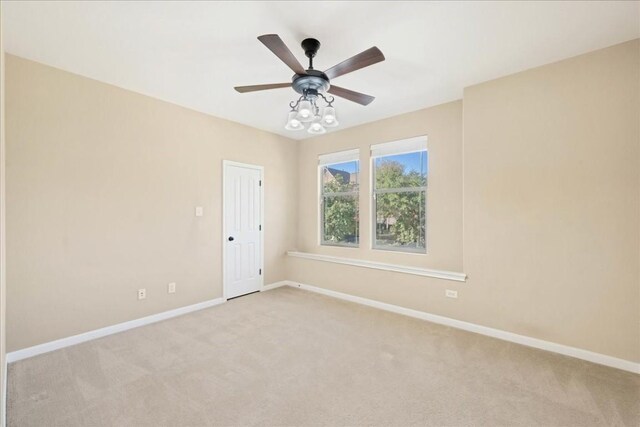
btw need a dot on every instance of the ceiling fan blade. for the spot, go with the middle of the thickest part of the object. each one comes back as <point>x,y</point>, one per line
<point>253,88</point>
<point>275,44</point>
<point>356,97</point>
<point>363,59</point>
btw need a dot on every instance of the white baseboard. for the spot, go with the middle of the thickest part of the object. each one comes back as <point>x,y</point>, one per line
<point>275,285</point>
<point>578,353</point>
<point>625,365</point>
<point>120,327</point>
<point>109,330</point>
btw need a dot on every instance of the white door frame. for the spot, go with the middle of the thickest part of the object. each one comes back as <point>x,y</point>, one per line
<point>225,165</point>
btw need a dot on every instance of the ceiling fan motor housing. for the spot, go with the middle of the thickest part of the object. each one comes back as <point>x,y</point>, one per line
<point>313,80</point>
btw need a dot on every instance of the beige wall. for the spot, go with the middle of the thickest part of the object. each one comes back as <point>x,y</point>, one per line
<point>101,189</point>
<point>551,214</point>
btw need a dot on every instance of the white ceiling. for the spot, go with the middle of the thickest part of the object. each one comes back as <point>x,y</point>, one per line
<point>193,53</point>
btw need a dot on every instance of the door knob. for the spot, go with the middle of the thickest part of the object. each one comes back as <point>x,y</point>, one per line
<point>231,238</point>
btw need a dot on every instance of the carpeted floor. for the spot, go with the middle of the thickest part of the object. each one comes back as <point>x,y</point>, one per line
<point>290,357</point>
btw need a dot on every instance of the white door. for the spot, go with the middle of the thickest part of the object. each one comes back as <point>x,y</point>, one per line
<point>242,212</point>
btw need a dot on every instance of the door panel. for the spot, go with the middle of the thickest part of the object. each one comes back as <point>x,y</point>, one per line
<point>242,213</point>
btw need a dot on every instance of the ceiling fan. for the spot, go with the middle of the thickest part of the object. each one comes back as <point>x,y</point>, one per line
<point>311,84</point>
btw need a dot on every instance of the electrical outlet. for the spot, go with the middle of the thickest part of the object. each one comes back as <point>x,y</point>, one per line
<point>199,211</point>
<point>171,288</point>
<point>142,293</point>
<point>451,294</point>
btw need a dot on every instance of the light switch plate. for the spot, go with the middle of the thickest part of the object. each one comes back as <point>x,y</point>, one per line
<point>199,211</point>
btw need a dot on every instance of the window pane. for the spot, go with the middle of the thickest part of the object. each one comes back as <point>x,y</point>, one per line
<point>400,221</point>
<point>401,170</point>
<point>340,177</point>
<point>340,219</point>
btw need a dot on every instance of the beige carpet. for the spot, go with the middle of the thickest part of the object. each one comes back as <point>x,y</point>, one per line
<point>290,357</point>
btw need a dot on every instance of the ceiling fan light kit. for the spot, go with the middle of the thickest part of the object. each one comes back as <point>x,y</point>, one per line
<point>293,123</point>
<point>312,85</point>
<point>329,119</point>
<point>316,128</point>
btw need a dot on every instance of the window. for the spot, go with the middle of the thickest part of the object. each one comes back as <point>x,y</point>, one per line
<point>339,205</point>
<point>399,195</point>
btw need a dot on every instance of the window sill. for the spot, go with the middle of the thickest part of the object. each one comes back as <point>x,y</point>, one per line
<point>337,245</point>
<point>401,250</point>
<point>417,271</point>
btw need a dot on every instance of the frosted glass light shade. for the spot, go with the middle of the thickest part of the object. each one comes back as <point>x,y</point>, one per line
<point>305,111</point>
<point>292,122</point>
<point>329,118</point>
<point>316,128</point>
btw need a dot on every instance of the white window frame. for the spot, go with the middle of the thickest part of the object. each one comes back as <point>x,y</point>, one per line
<point>405,146</point>
<point>330,159</point>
